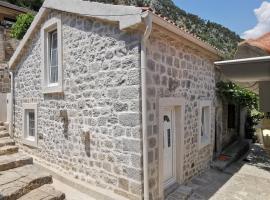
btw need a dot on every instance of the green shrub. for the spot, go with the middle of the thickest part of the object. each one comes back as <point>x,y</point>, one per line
<point>21,26</point>
<point>231,92</point>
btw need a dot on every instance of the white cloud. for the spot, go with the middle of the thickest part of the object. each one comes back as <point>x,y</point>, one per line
<point>263,26</point>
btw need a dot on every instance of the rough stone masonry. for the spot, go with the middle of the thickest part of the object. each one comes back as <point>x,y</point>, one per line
<point>92,131</point>
<point>99,140</point>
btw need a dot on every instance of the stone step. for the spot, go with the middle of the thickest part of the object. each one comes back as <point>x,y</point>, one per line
<point>2,128</point>
<point>17,182</point>
<point>45,192</point>
<point>181,193</point>
<point>14,160</point>
<point>4,134</point>
<point>6,141</point>
<point>231,154</point>
<point>7,150</point>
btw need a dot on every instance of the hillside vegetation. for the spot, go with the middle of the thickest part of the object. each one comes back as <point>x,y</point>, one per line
<point>215,34</point>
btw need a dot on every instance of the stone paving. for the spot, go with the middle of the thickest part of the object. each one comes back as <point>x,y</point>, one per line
<point>246,179</point>
<point>19,177</point>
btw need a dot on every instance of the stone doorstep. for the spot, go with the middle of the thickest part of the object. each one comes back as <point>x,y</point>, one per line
<point>234,152</point>
<point>182,192</point>
<point>6,150</point>
<point>2,128</point>
<point>14,160</point>
<point>17,182</point>
<point>45,192</point>
<point>6,141</point>
<point>4,134</point>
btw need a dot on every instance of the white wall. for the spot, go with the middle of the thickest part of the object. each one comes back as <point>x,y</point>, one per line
<point>264,96</point>
<point>3,107</point>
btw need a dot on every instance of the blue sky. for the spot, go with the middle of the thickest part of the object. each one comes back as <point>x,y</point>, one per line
<point>238,15</point>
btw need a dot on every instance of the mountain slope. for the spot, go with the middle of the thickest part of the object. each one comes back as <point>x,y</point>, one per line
<point>215,34</point>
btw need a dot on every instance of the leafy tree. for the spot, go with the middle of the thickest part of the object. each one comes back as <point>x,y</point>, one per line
<point>22,24</point>
<point>31,4</point>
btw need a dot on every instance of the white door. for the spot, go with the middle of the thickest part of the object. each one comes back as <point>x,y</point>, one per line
<point>168,147</point>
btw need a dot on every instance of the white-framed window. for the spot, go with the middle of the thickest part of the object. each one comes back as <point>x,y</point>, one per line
<point>30,124</point>
<point>204,123</point>
<point>51,35</point>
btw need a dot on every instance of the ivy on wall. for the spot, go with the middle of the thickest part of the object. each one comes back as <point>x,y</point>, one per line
<point>245,98</point>
<point>234,93</point>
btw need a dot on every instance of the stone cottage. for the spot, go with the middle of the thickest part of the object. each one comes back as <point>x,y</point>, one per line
<point>117,97</point>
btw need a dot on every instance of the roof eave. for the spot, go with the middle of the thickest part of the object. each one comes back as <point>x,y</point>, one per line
<point>176,30</point>
<point>126,16</point>
<point>244,60</point>
<point>27,35</point>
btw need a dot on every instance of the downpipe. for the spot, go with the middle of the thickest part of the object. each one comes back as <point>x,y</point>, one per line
<point>11,106</point>
<point>147,19</point>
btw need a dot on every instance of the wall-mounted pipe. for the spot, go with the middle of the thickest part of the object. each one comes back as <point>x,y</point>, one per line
<point>147,18</point>
<point>11,106</point>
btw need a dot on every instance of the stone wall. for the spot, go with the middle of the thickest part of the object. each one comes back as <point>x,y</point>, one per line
<point>4,79</point>
<point>7,44</point>
<point>93,130</point>
<point>176,69</point>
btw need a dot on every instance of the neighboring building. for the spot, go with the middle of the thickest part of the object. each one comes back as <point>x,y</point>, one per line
<point>8,14</point>
<point>254,47</point>
<point>229,114</point>
<point>94,99</point>
<point>251,69</point>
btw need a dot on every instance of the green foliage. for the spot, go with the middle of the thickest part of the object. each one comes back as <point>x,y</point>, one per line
<point>31,4</point>
<point>231,92</point>
<point>22,24</point>
<point>215,34</point>
<point>234,93</point>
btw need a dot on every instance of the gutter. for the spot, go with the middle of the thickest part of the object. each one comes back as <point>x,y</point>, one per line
<point>11,104</point>
<point>243,60</point>
<point>147,18</point>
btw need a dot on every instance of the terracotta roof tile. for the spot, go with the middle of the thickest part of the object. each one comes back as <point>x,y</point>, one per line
<point>262,42</point>
<point>180,27</point>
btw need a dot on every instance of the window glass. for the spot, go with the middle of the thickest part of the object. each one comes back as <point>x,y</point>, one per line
<point>53,58</point>
<point>31,123</point>
<point>205,129</point>
<point>231,116</point>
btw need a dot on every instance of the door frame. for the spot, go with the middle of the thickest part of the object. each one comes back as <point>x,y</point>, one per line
<point>178,104</point>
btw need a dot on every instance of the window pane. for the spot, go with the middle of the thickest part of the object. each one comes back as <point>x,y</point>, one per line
<point>231,116</point>
<point>54,40</point>
<point>31,123</point>
<point>54,75</point>
<point>53,71</point>
<point>203,124</point>
<point>54,57</point>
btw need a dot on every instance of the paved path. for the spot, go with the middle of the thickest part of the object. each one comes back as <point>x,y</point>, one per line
<point>71,193</point>
<point>243,180</point>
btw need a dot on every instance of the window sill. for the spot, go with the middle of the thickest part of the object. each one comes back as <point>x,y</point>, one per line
<point>30,142</point>
<point>52,89</point>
